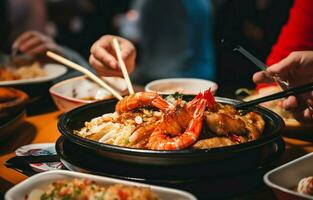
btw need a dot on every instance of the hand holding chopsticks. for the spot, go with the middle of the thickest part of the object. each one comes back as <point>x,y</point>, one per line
<point>279,95</point>
<point>262,66</point>
<point>84,71</point>
<point>103,57</point>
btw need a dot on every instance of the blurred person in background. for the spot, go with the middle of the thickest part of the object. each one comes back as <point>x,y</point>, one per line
<point>174,39</point>
<point>297,69</point>
<point>286,60</point>
<point>79,23</point>
<point>28,30</point>
<point>72,23</point>
<point>253,24</point>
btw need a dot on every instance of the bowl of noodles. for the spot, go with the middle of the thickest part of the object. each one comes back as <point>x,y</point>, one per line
<point>100,127</point>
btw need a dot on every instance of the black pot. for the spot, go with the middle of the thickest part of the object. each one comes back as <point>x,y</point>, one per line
<point>246,154</point>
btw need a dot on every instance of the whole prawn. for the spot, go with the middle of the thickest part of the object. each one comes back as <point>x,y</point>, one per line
<point>141,99</point>
<point>161,140</point>
<point>177,119</point>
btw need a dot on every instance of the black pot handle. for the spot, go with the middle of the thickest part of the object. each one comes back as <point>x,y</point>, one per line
<point>275,150</point>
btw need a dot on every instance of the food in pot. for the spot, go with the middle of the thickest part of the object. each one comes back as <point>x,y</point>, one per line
<point>305,186</point>
<point>148,121</point>
<point>81,189</point>
<point>22,72</point>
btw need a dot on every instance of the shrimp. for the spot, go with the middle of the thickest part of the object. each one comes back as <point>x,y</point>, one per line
<point>159,140</point>
<point>141,99</point>
<point>142,132</point>
<point>176,120</point>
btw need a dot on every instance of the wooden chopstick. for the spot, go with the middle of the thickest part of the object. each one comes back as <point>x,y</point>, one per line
<point>285,93</point>
<point>122,66</point>
<point>84,71</point>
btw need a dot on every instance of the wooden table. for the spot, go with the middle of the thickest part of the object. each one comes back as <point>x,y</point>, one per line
<point>42,129</point>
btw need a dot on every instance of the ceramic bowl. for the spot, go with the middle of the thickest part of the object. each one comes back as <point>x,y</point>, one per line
<point>190,86</point>
<point>79,91</point>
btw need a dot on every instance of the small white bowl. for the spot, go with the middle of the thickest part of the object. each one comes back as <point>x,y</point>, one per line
<point>182,85</point>
<point>79,91</point>
<point>287,176</point>
<point>42,180</point>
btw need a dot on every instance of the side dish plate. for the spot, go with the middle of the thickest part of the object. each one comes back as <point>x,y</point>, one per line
<point>52,70</point>
<point>21,190</point>
<point>282,179</point>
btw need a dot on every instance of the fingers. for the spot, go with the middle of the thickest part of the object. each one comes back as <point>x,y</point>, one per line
<point>103,54</point>
<point>100,52</point>
<point>127,48</point>
<point>38,50</point>
<point>22,38</point>
<point>102,69</point>
<point>26,46</point>
<point>308,114</point>
<point>261,77</point>
<point>286,64</point>
<point>281,69</point>
<point>301,112</point>
<point>290,103</point>
<point>35,44</point>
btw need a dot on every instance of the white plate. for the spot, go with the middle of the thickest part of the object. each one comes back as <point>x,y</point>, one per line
<point>40,150</point>
<point>182,85</point>
<point>287,176</point>
<point>52,70</point>
<point>41,180</point>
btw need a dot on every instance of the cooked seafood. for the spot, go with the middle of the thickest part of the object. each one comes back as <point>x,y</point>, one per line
<point>146,120</point>
<point>141,99</point>
<point>76,189</point>
<point>125,129</point>
<point>160,140</point>
<point>227,120</point>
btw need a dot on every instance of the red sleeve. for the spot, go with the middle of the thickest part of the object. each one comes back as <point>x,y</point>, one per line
<point>297,34</point>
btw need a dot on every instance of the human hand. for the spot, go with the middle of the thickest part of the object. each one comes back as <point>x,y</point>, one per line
<point>103,57</point>
<point>297,69</point>
<point>36,44</point>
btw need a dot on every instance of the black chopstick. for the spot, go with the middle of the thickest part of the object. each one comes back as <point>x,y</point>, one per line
<point>285,93</point>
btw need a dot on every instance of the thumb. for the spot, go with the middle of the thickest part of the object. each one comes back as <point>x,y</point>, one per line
<point>285,64</point>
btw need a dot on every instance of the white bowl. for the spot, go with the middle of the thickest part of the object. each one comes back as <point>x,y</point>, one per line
<point>52,70</point>
<point>42,180</point>
<point>181,85</point>
<point>287,176</point>
<point>79,91</point>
